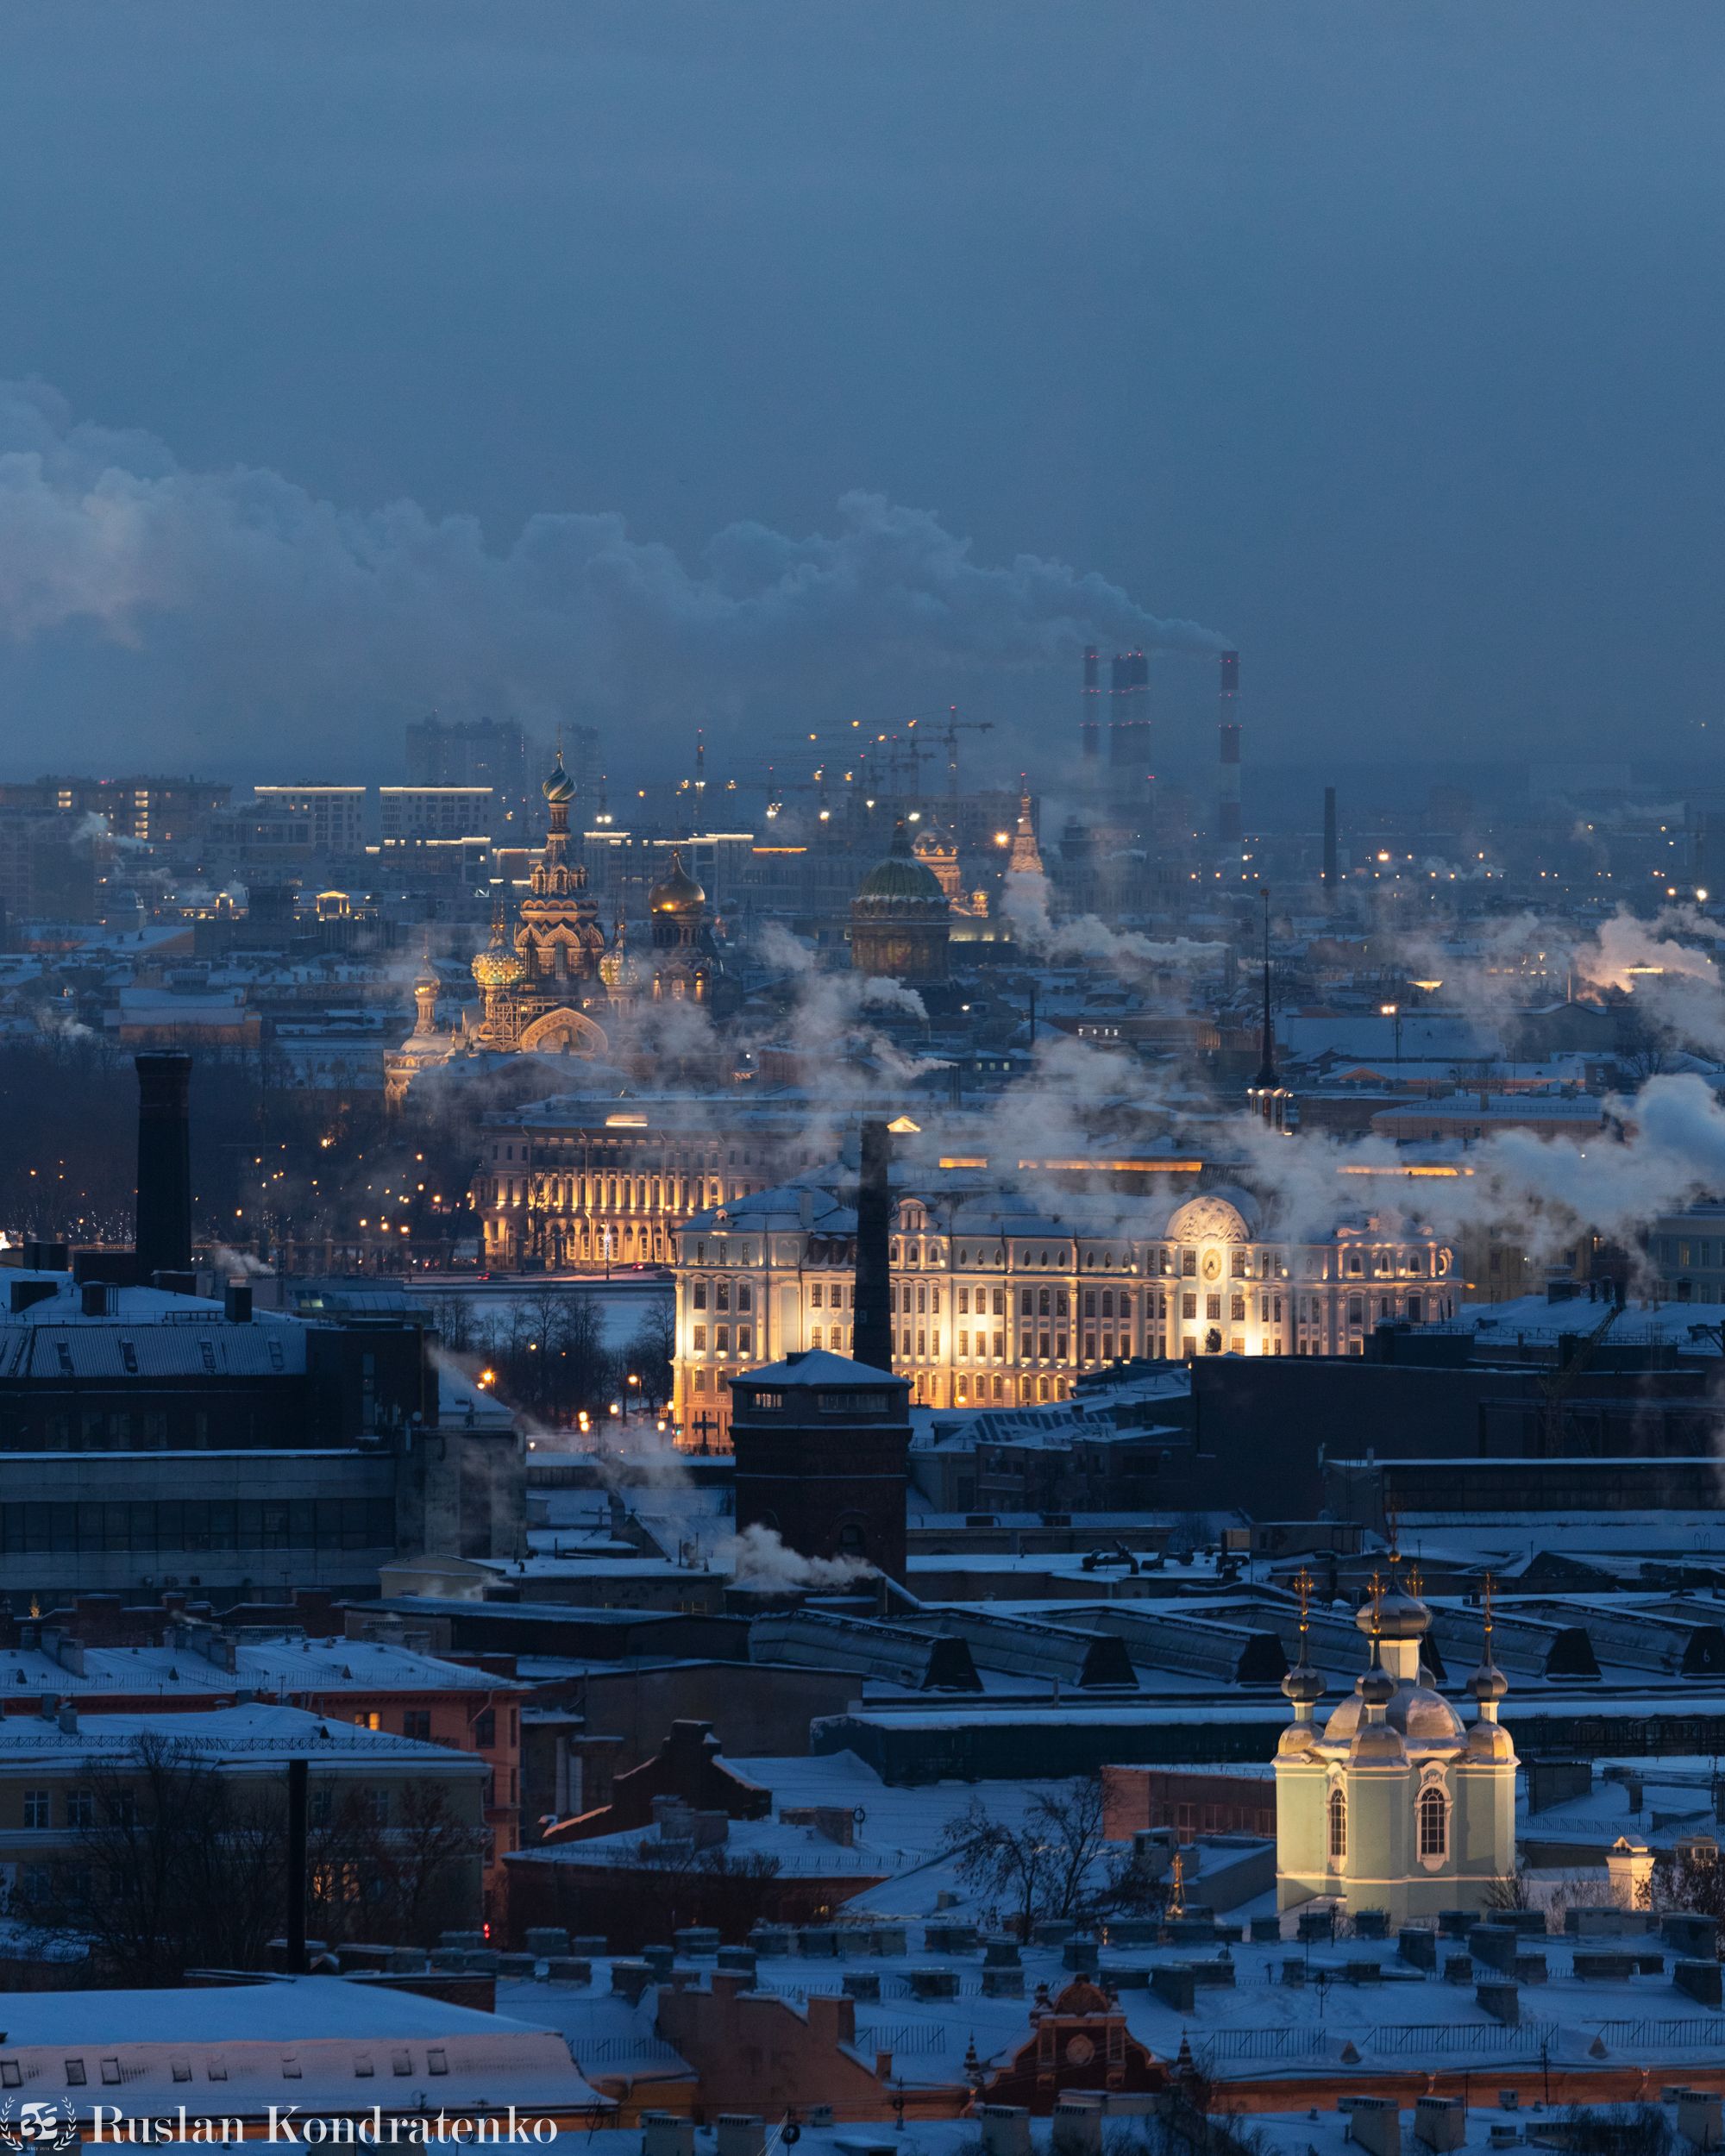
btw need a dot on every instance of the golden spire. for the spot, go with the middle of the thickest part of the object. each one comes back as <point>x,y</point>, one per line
<point>1303,1584</point>
<point>1487,1656</point>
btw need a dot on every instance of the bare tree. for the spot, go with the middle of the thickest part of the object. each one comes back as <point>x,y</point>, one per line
<point>1616,2130</point>
<point>1056,1864</point>
<point>1691,1879</point>
<point>398,1866</point>
<point>678,1884</point>
<point>178,1867</point>
<point>648,1356</point>
<point>182,1866</point>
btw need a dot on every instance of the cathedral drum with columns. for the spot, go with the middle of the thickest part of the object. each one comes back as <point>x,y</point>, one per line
<point>1394,1804</point>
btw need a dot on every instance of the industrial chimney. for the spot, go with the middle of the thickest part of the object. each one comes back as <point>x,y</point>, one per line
<point>1129,713</point>
<point>1330,850</point>
<point>1090,711</point>
<point>872,1334</point>
<point>164,1235</point>
<point>1228,775</point>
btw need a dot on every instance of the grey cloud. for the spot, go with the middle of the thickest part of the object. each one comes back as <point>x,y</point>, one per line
<point>239,592</point>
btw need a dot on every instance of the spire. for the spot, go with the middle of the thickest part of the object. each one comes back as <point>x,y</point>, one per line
<point>1302,1687</point>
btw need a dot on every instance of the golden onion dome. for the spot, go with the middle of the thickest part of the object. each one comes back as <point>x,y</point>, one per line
<point>498,967</point>
<point>678,892</point>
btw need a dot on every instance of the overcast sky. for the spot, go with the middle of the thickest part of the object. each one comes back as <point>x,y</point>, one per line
<point>1382,340</point>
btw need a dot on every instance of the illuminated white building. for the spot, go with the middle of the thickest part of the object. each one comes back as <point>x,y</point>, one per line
<point>998,1302</point>
<point>1394,1805</point>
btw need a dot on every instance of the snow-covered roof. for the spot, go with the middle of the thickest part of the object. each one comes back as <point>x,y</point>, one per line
<point>819,1367</point>
<point>236,1738</point>
<point>320,2044</point>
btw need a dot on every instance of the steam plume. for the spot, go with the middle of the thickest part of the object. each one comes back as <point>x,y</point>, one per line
<point>237,596</point>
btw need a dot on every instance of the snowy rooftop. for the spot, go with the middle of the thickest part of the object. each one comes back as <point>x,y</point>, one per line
<point>249,1736</point>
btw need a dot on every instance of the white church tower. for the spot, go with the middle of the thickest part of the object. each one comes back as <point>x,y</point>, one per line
<point>1394,1805</point>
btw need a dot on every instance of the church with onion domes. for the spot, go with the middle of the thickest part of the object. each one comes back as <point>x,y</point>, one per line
<point>550,980</point>
<point>1394,1804</point>
<point>547,984</point>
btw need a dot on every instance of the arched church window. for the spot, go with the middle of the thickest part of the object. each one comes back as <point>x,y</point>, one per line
<point>1338,1823</point>
<point>1435,1822</point>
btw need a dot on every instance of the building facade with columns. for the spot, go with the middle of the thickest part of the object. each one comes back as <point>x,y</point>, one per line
<point>582,1182</point>
<point>998,1300</point>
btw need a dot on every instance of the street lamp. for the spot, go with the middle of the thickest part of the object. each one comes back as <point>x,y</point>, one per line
<point>1393,1011</point>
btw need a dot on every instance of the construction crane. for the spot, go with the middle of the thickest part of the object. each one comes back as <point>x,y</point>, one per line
<point>1560,1380</point>
<point>950,734</point>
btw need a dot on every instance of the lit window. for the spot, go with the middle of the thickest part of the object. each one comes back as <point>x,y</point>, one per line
<point>1434,1823</point>
<point>1338,1823</point>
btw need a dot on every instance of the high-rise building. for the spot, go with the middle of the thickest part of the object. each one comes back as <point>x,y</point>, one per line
<point>151,810</point>
<point>412,814</point>
<point>337,813</point>
<point>488,752</point>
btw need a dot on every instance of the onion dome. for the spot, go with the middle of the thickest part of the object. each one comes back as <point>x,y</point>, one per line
<point>1376,1687</point>
<point>1303,1688</point>
<point>901,881</point>
<point>559,788</point>
<point>678,893</point>
<point>1397,1616</point>
<point>1487,1683</point>
<point>1378,1744</point>
<point>1303,1685</point>
<point>498,966</point>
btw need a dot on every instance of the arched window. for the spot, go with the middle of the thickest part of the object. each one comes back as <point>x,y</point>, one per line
<point>1338,1823</point>
<point>1435,1822</point>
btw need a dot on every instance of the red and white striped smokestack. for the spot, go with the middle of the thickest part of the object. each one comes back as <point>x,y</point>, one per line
<point>1228,827</point>
<point>1090,711</point>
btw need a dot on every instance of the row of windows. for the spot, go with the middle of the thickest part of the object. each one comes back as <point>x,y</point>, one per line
<point>721,1339</point>
<point>721,1291</point>
<point>146,1430</point>
<point>173,1525</point>
<point>1031,1342</point>
<point>80,1811</point>
<point>699,1158</point>
<point>509,1190</point>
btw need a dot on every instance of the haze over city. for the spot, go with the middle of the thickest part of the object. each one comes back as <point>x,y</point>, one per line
<point>1375,340</point>
<point>862,1059</point>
